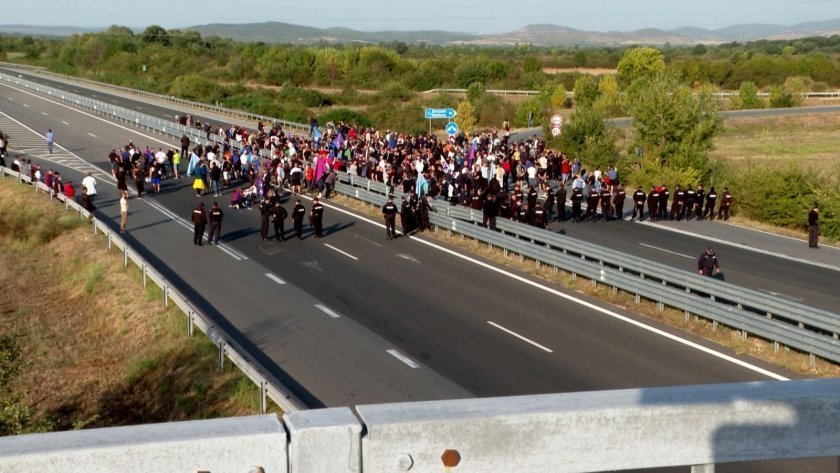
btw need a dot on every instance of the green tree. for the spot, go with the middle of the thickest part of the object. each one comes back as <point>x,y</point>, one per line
<point>586,135</point>
<point>748,96</point>
<point>586,91</point>
<point>781,97</point>
<point>640,62</point>
<point>465,117</point>
<point>474,92</point>
<point>672,124</point>
<point>156,34</point>
<point>559,97</point>
<point>609,99</point>
<point>531,64</point>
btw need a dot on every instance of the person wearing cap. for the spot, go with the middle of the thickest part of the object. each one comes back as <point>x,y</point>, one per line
<point>215,216</point>
<point>265,215</point>
<point>389,213</point>
<point>814,227</point>
<point>298,212</point>
<point>316,217</point>
<point>707,263</point>
<point>199,219</point>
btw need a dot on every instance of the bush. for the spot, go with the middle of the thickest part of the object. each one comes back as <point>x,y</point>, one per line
<point>781,98</point>
<point>748,97</point>
<point>491,110</point>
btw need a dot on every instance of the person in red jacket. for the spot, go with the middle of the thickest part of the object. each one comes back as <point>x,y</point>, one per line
<point>69,191</point>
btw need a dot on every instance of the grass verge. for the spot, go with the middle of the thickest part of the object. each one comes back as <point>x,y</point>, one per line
<point>95,348</point>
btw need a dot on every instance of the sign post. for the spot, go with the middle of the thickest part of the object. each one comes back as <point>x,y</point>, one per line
<point>556,125</point>
<point>439,114</point>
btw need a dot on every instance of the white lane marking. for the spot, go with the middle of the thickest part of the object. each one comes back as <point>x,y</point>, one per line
<point>340,251</point>
<point>11,99</point>
<point>44,114</point>
<point>369,240</point>
<point>62,121</point>
<point>328,311</point>
<point>745,247</point>
<point>91,134</point>
<point>666,251</point>
<point>139,107</point>
<point>275,278</point>
<point>524,339</point>
<point>555,292</point>
<point>800,240</point>
<point>582,302</point>
<point>403,358</point>
<point>233,253</point>
<point>408,258</point>
<point>26,105</point>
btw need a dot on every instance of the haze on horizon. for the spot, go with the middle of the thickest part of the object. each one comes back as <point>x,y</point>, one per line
<point>467,16</point>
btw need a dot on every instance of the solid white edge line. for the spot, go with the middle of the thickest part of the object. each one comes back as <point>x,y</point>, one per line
<point>584,303</point>
<point>524,339</point>
<point>745,247</point>
<point>275,278</point>
<point>328,311</point>
<point>341,251</point>
<point>604,311</point>
<point>666,251</point>
<point>800,240</point>
<point>396,354</point>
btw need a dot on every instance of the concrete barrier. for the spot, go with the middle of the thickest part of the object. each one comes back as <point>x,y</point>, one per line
<point>324,440</point>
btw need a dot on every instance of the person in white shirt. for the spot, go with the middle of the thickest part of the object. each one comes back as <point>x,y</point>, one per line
<point>123,210</point>
<point>89,183</point>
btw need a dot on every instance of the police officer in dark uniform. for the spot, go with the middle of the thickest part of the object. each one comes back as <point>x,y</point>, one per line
<point>560,200</point>
<point>199,219</point>
<point>548,206</point>
<point>215,217</point>
<point>265,216</point>
<point>577,200</point>
<point>490,211</point>
<point>725,204</point>
<point>677,204</point>
<point>278,216</point>
<point>406,216</point>
<point>592,204</point>
<point>653,202</point>
<point>316,217</point>
<point>709,211</point>
<point>639,198</point>
<point>298,213</point>
<point>699,196</point>
<point>618,202</point>
<point>814,227</point>
<point>389,212</point>
<point>524,214</point>
<point>606,205</point>
<point>707,263</point>
<point>423,209</point>
<point>689,202</point>
<point>664,194</point>
<point>504,207</point>
<point>538,219</point>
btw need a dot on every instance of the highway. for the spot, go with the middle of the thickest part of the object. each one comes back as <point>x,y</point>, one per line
<point>355,319</point>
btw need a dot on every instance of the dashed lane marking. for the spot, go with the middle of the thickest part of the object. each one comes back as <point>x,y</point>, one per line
<point>411,363</point>
<point>328,311</point>
<point>341,251</point>
<point>275,278</point>
<point>666,251</point>
<point>91,134</point>
<point>524,339</point>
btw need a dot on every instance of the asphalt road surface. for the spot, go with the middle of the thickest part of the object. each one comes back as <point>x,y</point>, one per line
<point>353,319</point>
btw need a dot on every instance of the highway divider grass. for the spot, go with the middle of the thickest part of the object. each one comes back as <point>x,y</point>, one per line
<point>84,344</point>
<point>726,337</point>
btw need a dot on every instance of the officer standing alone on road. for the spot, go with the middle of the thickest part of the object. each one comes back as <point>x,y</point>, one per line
<point>199,219</point>
<point>707,264</point>
<point>214,229</point>
<point>389,212</point>
<point>814,227</point>
<point>298,212</point>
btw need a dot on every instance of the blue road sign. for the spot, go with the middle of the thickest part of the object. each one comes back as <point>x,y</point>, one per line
<point>440,113</point>
<point>452,128</point>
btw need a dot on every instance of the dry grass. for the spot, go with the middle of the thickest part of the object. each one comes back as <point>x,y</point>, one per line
<point>811,141</point>
<point>100,349</point>
<point>786,358</point>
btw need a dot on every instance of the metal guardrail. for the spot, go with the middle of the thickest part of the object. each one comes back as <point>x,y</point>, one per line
<point>570,94</point>
<point>299,128</point>
<point>808,329</point>
<point>763,315</point>
<point>194,316</point>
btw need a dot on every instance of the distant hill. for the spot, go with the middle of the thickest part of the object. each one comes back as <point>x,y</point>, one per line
<point>538,34</point>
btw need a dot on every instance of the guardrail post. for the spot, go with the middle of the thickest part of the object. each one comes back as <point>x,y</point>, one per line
<point>109,241</point>
<point>165,296</point>
<point>263,392</point>
<point>811,359</point>
<point>190,323</point>
<point>143,269</point>
<point>221,356</point>
<point>94,229</point>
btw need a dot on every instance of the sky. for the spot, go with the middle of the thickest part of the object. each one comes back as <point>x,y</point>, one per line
<point>468,16</point>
